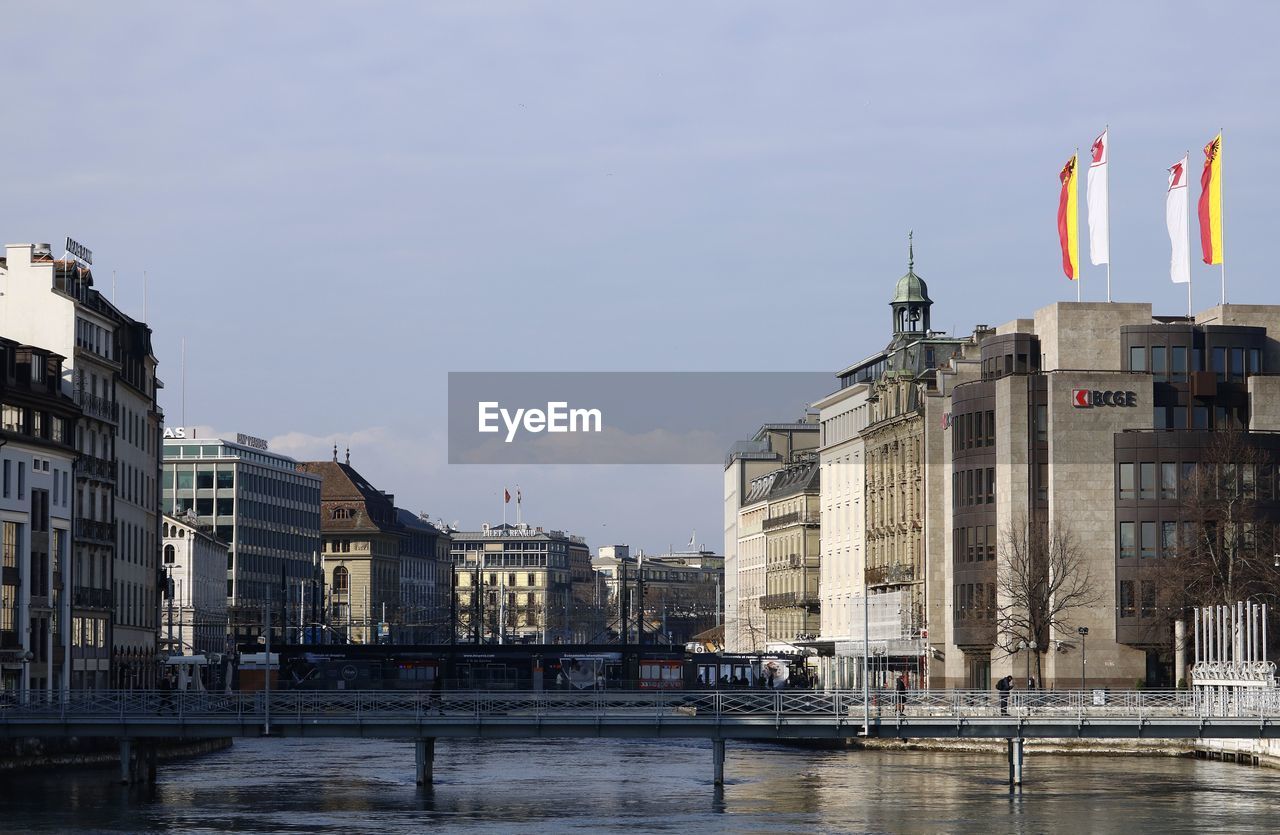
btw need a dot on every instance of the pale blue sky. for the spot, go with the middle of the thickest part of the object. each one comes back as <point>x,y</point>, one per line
<point>338,203</point>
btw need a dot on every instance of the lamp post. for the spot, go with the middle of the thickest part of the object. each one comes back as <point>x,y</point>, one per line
<point>1083,632</point>
<point>1028,647</point>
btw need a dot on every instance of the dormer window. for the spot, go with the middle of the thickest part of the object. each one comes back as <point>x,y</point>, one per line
<point>341,513</point>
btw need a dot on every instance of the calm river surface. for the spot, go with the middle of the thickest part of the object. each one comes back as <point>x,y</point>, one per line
<point>330,786</point>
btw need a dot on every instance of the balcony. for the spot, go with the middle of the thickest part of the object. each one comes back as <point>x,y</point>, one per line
<point>890,575</point>
<point>790,600</point>
<point>90,530</point>
<point>98,407</point>
<point>89,598</point>
<point>793,518</point>
<point>100,469</point>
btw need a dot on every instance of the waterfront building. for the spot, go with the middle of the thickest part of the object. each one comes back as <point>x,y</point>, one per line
<point>264,508</point>
<point>1097,419</point>
<point>842,581</point>
<point>772,446</point>
<point>38,635</point>
<point>792,543</point>
<point>425,575</point>
<point>362,541</point>
<point>676,594</point>
<point>512,584</point>
<point>194,617</point>
<point>110,372</point>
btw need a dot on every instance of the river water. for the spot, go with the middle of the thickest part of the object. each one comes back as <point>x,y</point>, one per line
<point>345,786</point>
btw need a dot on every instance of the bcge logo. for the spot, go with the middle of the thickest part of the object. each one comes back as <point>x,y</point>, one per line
<point>1088,398</point>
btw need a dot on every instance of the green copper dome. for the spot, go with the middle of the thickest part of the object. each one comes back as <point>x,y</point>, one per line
<point>911,288</point>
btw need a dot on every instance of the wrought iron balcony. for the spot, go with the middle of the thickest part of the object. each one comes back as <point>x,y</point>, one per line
<point>84,597</point>
<point>95,531</point>
<point>98,407</point>
<point>795,517</point>
<point>790,600</point>
<point>101,469</point>
<point>890,575</point>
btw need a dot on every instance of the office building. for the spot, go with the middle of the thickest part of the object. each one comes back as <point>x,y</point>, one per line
<point>264,508</point>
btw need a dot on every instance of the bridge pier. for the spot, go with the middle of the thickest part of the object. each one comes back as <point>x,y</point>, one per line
<point>717,761</point>
<point>425,755</point>
<point>1015,762</point>
<point>126,761</point>
<point>150,754</point>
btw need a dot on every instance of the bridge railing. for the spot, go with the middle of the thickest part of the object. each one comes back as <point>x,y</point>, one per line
<point>845,705</point>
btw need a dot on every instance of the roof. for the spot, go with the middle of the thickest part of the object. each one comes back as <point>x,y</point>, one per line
<point>911,288</point>
<point>343,489</point>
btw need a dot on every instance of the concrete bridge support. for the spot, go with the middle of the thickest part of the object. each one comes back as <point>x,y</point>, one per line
<point>717,761</point>
<point>425,756</point>
<point>126,761</point>
<point>1015,762</point>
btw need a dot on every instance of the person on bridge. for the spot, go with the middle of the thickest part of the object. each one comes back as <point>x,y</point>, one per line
<point>434,702</point>
<point>900,694</point>
<point>1004,685</point>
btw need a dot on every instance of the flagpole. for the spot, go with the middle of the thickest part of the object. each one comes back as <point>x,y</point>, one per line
<point>1106,131</point>
<point>1187,223</point>
<point>1076,174</point>
<point>504,507</point>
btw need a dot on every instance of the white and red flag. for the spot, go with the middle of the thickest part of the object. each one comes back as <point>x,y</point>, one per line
<point>506,496</point>
<point>1176,218</point>
<point>1096,197</point>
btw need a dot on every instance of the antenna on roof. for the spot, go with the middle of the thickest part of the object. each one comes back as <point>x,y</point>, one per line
<point>335,453</point>
<point>348,456</point>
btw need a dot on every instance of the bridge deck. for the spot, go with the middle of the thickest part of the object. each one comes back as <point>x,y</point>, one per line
<point>746,714</point>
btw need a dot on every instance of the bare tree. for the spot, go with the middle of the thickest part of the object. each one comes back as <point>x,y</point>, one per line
<point>1042,577</point>
<point>1227,538</point>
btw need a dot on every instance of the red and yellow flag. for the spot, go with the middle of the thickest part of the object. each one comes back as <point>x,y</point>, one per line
<point>1211,202</point>
<point>1069,220</point>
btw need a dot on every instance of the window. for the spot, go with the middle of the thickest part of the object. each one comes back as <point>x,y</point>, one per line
<point>1199,417</point>
<point>991,427</point>
<point>341,580</point>
<point>1255,361</point>
<point>1159,364</point>
<point>1138,358</point>
<point>1127,606</point>
<point>1147,480</point>
<point>1168,480</point>
<point>1168,539</point>
<point>1127,543</point>
<point>991,485</point>
<point>1237,363</point>
<point>1161,417</point>
<point>1126,482</point>
<point>1148,539</point>
<point>168,554</point>
<point>1042,482</point>
<point>1042,422</point>
<point>1218,358</point>
<point>1178,364</point>
<point>7,488</point>
<point>1148,599</point>
<point>991,542</point>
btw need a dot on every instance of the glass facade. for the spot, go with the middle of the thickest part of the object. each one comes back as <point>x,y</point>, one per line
<point>259,504</point>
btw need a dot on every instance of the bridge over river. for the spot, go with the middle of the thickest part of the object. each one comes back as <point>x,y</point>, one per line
<point>138,716</point>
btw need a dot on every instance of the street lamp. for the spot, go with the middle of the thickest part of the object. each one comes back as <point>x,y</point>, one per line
<point>1028,645</point>
<point>1083,632</point>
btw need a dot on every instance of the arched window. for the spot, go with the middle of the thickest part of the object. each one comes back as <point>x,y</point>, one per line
<point>341,580</point>
<point>168,554</point>
<point>341,513</point>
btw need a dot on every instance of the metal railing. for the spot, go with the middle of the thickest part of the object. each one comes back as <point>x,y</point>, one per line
<point>92,529</point>
<point>94,467</point>
<point>332,706</point>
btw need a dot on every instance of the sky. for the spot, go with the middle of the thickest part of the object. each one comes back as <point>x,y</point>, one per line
<point>337,203</point>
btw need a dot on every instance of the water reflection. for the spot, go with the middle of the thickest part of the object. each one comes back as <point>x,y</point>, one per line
<point>642,786</point>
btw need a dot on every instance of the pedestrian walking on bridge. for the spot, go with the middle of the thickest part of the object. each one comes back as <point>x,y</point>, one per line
<point>1004,686</point>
